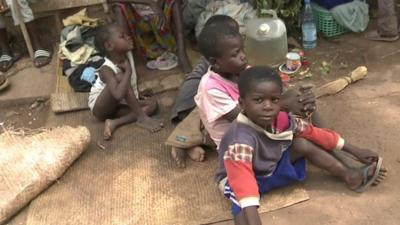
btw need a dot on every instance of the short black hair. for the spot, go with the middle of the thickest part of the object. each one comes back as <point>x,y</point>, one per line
<point>211,37</point>
<point>257,74</point>
<point>221,19</point>
<point>102,35</point>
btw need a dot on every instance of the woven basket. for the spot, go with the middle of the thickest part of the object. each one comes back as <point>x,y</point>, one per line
<point>326,24</point>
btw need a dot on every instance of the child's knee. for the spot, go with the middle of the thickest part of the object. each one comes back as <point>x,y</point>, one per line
<point>300,145</point>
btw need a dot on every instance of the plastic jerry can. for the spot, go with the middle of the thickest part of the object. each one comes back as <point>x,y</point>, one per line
<point>266,40</point>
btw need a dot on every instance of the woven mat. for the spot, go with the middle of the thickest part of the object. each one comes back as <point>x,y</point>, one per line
<point>132,180</point>
<point>69,101</point>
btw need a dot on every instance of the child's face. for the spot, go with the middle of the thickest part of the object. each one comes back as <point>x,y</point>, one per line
<point>119,41</point>
<point>261,103</point>
<point>233,59</point>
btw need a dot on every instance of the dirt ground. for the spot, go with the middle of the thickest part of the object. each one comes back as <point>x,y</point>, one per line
<point>365,113</point>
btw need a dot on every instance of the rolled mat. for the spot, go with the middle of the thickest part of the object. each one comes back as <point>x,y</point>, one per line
<point>30,163</point>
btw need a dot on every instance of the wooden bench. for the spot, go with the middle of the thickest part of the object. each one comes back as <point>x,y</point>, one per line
<point>52,7</point>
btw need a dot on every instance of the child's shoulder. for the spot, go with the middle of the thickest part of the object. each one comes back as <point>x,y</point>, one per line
<point>212,82</point>
<point>240,132</point>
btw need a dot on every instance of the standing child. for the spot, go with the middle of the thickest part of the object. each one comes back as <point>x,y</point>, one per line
<point>112,97</point>
<point>258,152</point>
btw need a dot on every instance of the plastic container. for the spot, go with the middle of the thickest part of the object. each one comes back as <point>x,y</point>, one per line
<point>308,27</point>
<point>266,40</point>
<point>326,24</point>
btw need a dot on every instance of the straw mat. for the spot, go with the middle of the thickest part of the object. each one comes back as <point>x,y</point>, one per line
<point>132,180</point>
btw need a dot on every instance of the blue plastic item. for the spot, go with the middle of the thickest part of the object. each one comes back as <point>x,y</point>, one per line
<point>89,75</point>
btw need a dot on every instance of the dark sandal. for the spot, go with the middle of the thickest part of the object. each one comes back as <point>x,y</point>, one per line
<point>7,61</point>
<point>42,54</point>
<point>368,181</point>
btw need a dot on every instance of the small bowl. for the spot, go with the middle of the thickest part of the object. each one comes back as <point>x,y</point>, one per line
<point>284,69</point>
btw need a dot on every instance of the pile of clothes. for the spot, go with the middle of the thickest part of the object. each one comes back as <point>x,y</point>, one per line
<point>77,50</point>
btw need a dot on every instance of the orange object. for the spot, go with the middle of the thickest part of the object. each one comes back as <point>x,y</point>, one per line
<point>284,77</point>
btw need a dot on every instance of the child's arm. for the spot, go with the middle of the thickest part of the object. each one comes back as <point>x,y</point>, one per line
<point>231,116</point>
<point>299,102</point>
<point>239,169</point>
<point>251,215</point>
<point>328,140</point>
<point>118,87</point>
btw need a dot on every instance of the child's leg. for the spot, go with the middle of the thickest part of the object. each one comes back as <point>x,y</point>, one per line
<point>179,36</point>
<point>125,115</point>
<point>248,215</point>
<point>107,107</point>
<point>179,156</point>
<point>143,120</point>
<point>354,178</point>
<point>187,138</point>
<point>364,155</point>
<point>196,153</point>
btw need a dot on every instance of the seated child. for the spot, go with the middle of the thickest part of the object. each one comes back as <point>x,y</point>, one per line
<point>216,102</point>
<point>218,93</point>
<point>189,136</point>
<point>112,97</point>
<point>259,152</point>
<point>184,102</point>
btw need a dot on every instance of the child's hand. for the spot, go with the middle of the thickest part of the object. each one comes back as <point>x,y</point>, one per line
<point>307,98</point>
<point>299,102</point>
<point>126,67</point>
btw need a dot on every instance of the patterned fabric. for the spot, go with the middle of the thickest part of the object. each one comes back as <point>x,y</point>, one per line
<point>150,41</point>
<point>284,174</point>
<point>301,124</point>
<point>239,152</point>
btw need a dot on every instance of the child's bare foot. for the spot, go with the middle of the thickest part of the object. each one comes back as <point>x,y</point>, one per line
<point>178,154</point>
<point>369,175</point>
<point>109,128</point>
<point>152,125</point>
<point>196,153</point>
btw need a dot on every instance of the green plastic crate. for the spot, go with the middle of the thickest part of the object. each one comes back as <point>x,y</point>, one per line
<point>326,24</point>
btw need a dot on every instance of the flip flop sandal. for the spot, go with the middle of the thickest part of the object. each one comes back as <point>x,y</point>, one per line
<point>368,182</point>
<point>166,61</point>
<point>375,36</point>
<point>42,54</point>
<point>10,60</point>
<point>4,83</point>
